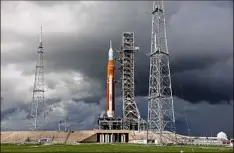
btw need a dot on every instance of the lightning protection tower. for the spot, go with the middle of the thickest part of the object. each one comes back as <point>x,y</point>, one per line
<point>131,114</point>
<point>160,105</point>
<point>37,107</point>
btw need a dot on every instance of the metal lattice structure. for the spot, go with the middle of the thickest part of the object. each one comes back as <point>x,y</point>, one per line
<point>64,124</point>
<point>37,119</point>
<point>160,105</point>
<point>131,114</point>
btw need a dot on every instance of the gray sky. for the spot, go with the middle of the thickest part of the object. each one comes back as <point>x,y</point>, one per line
<point>76,41</point>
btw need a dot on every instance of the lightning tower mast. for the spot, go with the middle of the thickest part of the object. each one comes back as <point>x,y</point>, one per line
<point>38,107</point>
<point>160,105</point>
<point>131,114</point>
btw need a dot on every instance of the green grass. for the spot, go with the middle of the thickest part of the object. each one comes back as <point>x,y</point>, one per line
<point>109,148</point>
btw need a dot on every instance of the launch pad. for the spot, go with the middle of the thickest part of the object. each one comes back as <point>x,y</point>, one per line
<point>118,123</point>
<point>110,123</point>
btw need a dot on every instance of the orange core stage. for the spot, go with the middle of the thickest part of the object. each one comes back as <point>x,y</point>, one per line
<point>110,85</point>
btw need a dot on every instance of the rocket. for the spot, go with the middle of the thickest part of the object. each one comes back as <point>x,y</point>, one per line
<point>110,86</point>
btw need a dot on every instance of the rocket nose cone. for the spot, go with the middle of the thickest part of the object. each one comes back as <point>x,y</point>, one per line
<point>110,44</point>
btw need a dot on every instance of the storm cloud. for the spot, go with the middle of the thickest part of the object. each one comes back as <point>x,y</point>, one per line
<point>76,41</point>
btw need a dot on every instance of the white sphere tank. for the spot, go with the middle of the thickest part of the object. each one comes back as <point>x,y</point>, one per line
<point>222,135</point>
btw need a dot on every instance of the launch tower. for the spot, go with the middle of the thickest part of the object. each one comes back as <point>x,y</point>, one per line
<point>37,118</point>
<point>131,114</point>
<point>160,105</point>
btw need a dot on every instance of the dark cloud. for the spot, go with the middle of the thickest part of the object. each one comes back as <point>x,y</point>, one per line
<point>213,84</point>
<point>51,84</point>
<point>90,99</point>
<point>223,4</point>
<point>190,48</point>
<point>47,3</point>
<point>6,113</point>
<point>13,111</point>
<point>51,101</point>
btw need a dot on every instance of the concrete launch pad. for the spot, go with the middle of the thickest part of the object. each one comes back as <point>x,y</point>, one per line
<point>86,136</point>
<point>103,136</point>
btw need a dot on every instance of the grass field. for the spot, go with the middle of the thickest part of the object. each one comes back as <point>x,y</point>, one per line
<point>108,148</point>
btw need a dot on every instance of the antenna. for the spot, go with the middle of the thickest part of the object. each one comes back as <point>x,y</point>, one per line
<point>160,105</point>
<point>41,35</point>
<point>37,118</point>
<point>185,114</point>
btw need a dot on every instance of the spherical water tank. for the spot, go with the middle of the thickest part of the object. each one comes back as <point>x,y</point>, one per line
<point>222,135</point>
